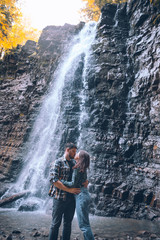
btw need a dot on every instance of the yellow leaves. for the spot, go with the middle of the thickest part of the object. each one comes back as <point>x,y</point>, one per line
<point>20,34</point>
<point>14,29</point>
<point>21,114</point>
<point>8,12</point>
<point>92,9</point>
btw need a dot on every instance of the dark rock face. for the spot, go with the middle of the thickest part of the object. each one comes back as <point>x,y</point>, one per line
<point>124,112</point>
<point>122,134</point>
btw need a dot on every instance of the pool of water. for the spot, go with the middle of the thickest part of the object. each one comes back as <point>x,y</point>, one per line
<point>103,227</point>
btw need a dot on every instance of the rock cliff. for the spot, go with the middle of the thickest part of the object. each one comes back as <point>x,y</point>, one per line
<point>123,131</point>
<point>124,88</point>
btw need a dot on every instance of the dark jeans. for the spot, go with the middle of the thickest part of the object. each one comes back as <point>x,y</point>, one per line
<point>61,209</point>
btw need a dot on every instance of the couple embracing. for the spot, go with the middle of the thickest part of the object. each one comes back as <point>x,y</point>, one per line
<point>68,176</point>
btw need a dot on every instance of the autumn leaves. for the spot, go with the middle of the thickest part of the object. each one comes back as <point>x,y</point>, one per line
<point>13,28</point>
<point>93,8</point>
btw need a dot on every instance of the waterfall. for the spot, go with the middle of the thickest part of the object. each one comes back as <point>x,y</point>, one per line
<point>48,130</point>
<point>84,117</point>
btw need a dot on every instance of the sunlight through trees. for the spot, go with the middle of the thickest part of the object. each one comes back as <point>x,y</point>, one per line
<point>14,29</point>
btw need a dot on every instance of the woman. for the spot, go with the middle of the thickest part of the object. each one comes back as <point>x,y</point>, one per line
<point>83,198</point>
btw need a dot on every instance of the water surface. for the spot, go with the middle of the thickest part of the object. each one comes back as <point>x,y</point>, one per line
<point>103,227</point>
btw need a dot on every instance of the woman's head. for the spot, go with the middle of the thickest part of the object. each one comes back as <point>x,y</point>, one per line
<point>83,160</point>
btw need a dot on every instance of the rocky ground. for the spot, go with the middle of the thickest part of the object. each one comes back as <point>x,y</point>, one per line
<point>43,234</point>
<point>31,225</point>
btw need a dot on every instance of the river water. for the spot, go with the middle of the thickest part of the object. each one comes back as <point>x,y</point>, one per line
<point>35,225</point>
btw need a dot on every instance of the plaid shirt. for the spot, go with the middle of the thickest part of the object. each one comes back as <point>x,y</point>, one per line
<point>59,170</point>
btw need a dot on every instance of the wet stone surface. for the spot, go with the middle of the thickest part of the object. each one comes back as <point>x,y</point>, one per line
<point>35,225</point>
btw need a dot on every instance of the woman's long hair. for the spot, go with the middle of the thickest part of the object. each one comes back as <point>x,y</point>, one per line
<point>83,162</point>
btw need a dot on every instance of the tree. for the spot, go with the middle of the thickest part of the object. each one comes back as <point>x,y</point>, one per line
<point>93,8</point>
<point>91,11</point>
<point>13,28</point>
<point>8,13</point>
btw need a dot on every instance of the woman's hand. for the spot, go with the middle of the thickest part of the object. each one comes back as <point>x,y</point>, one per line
<point>85,184</point>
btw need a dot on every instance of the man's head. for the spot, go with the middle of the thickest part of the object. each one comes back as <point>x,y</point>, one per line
<point>70,151</point>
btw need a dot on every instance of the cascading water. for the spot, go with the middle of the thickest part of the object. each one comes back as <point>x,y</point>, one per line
<point>51,124</point>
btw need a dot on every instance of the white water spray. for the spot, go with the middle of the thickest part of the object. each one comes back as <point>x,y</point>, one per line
<point>43,138</point>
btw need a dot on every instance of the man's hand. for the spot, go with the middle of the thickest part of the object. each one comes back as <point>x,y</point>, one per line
<point>60,185</point>
<point>74,190</point>
<point>85,184</point>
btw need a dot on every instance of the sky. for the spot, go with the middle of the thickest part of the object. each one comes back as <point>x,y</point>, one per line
<point>43,13</point>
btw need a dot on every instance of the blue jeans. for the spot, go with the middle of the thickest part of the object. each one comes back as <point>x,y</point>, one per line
<point>61,209</point>
<point>82,209</point>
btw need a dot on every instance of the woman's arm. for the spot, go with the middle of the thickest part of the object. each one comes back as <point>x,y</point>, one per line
<point>75,178</point>
<point>60,185</point>
<point>54,178</point>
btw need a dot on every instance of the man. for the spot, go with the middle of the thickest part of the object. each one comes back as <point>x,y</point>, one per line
<point>63,197</point>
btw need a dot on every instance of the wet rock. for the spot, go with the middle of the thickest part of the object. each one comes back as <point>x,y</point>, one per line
<point>31,204</point>
<point>45,233</point>
<point>143,234</point>
<point>29,48</point>
<point>136,197</point>
<point>153,236</point>
<point>35,233</point>
<point>29,207</point>
<point>9,237</point>
<point>16,231</point>
<point>152,215</point>
<point>2,235</point>
<point>123,96</point>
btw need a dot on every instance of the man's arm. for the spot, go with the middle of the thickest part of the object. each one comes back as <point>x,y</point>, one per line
<point>54,178</point>
<point>60,185</point>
